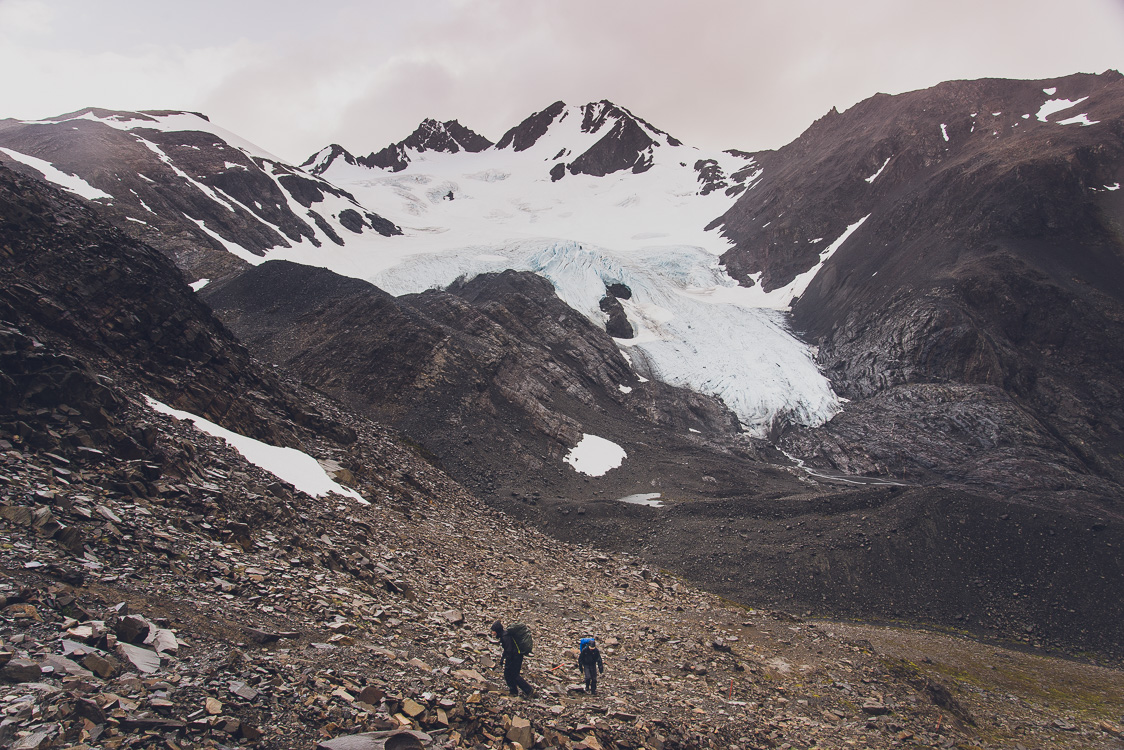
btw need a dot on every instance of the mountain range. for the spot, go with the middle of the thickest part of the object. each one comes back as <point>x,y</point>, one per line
<point>873,374</point>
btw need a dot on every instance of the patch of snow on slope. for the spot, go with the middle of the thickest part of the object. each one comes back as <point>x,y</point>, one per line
<point>649,499</point>
<point>595,456</point>
<point>1082,119</point>
<point>782,298</point>
<point>69,182</point>
<point>298,469</point>
<point>874,176</point>
<point>233,248</point>
<point>1056,105</point>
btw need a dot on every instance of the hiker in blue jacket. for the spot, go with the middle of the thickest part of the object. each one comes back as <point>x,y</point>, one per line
<point>512,662</point>
<point>589,660</point>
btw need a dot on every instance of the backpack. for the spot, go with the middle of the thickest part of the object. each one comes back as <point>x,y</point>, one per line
<point>521,637</point>
<point>583,643</point>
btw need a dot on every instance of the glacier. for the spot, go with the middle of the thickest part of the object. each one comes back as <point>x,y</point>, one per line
<point>685,334</point>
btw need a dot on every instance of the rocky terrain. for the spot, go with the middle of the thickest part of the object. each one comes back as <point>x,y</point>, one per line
<point>486,378</point>
<point>189,599</point>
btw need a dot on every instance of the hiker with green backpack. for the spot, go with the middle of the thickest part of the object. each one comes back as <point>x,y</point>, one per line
<point>517,643</point>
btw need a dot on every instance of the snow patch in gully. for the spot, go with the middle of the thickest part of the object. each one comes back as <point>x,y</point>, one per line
<point>298,469</point>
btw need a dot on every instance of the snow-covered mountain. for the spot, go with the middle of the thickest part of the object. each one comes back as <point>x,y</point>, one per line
<point>984,253</point>
<point>588,196</point>
<point>201,193</point>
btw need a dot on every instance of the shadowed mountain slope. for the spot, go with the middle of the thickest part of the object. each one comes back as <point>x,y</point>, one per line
<point>983,292</point>
<point>496,376</point>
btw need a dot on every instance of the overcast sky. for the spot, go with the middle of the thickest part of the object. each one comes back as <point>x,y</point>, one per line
<point>294,76</point>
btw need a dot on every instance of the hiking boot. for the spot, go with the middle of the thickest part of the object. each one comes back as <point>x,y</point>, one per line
<point>530,694</point>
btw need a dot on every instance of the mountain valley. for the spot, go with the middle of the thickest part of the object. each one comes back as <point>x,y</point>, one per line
<point>870,377</point>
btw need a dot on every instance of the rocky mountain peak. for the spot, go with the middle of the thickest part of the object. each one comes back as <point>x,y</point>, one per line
<point>595,115</point>
<point>431,135</point>
<point>627,144</point>
<point>450,137</point>
<point>319,162</point>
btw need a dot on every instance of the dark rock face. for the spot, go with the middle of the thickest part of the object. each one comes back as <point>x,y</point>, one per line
<point>625,146</point>
<point>711,177</point>
<point>618,290</point>
<point>527,133</point>
<point>990,262</point>
<point>617,326</point>
<point>196,188</point>
<point>78,297</point>
<point>449,137</point>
